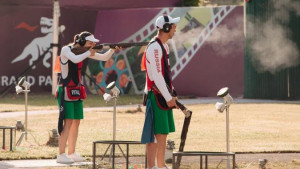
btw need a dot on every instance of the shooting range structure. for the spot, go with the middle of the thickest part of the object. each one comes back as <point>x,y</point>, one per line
<point>283,83</point>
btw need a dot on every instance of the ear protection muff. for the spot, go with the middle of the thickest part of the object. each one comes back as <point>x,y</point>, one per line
<point>167,26</point>
<point>81,40</point>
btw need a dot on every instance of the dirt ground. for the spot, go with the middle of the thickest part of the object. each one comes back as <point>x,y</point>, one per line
<point>243,161</point>
<point>255,127</point>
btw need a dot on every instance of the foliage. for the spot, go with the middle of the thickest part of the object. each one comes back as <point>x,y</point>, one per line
<point>189,2</point>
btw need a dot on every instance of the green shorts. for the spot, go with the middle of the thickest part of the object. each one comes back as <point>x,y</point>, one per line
<point>73,109</point>
<point>163,119</point>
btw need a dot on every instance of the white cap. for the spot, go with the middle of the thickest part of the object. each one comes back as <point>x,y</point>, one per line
<point>160,21</point>
<point>92,38</point>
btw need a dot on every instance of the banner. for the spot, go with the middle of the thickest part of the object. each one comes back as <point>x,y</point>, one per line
<point>26,36</point>
<point>206,52</point>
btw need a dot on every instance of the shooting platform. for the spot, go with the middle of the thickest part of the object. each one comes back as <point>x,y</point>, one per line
<point>12,137</point>
<point>202,154</point>
<point>114,145</point>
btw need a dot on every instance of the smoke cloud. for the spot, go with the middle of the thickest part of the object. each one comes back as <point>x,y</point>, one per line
<point>224,38</point>
<point>186,38</point>
<point>270,41</point>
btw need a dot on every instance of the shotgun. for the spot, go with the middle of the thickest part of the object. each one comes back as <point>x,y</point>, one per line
<point>80,50</point>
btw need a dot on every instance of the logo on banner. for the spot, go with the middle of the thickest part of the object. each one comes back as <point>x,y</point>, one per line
<point>38,46</point>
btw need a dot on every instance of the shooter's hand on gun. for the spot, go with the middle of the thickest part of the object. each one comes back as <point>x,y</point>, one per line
<point>172,102</point>
<point>117,48</point>
<point>185,111</point>
<point>93,51</point>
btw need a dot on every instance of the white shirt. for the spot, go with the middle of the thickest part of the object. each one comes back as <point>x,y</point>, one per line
<point>153,65</point>
<point>66,54</point>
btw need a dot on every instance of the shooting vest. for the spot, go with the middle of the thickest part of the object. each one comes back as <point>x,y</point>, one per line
<point>166,74</point>
<point>73,88</point>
